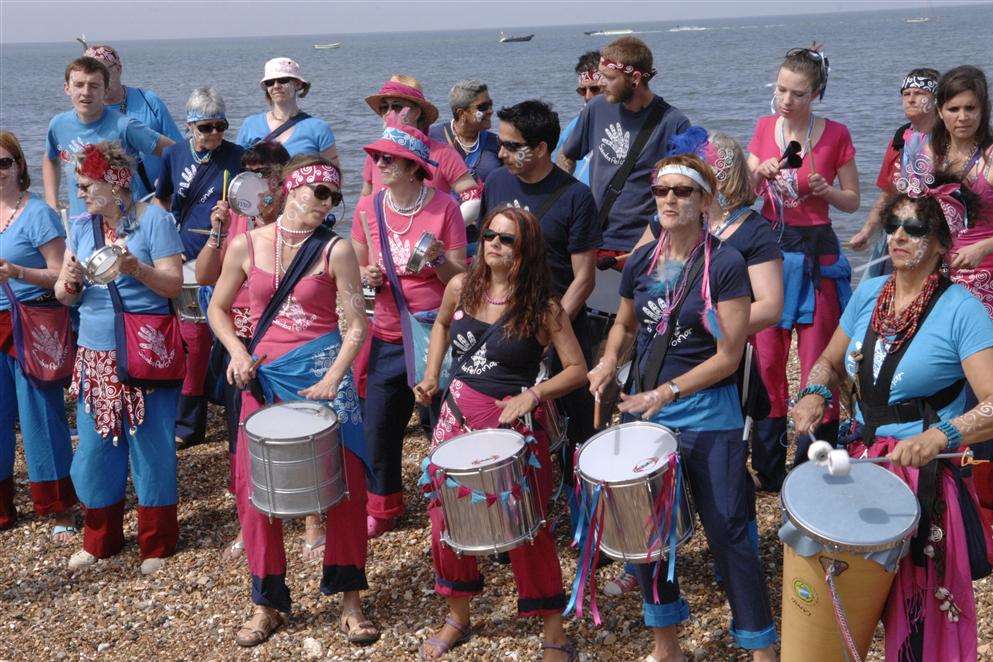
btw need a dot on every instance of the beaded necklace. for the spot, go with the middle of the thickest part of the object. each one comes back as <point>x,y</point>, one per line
<point>887,323</point>
<point>198,159</point>
<point>13,212</point>
<point>470,149</point>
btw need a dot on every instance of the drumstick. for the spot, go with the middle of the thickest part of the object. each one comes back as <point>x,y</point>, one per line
<point>883,459</point>
<point>596,411</point>
<point>256,362</point>
<point>224,186</point>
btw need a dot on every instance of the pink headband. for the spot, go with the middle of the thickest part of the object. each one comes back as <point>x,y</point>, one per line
<point>625,68</point>
<point>105,54</point>
<point>94,164</point>
<point>312,174</point>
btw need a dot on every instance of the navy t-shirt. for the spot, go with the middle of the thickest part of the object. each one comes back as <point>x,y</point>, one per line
<point>605,131</point>
<point>691,343</point>
<point>482,160</point>
<point>179,171</point>
<point>568,227</point>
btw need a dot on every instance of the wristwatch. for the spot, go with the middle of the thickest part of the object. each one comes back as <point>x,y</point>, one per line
<point>675,390</point>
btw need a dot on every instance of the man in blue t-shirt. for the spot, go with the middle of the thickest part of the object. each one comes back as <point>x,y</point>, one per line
<point>143,105</point>
<point>589,85</point>
<point>606,130</point>
<point>89,122</point>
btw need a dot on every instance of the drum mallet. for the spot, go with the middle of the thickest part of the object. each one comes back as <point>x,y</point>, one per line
<point>839,463</point>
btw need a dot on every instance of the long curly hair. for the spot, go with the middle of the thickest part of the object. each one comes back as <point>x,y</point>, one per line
<point>531,302</point>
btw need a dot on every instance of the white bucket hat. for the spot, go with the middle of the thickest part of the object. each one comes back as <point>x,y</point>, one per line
<point>284,67</point>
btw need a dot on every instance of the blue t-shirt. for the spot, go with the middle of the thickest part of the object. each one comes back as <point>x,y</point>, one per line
<point>568,227</point>
<point>179,171</point>
<point>146,107</point>
<point>67,136</point>
<point>37,225</point>
<point>154,238</point>
<point>481,161</point>
<point>582,171</point>
<point>605,131</point>
<point>957,328</point>
<point>714,408</point>
<point>310,136</point>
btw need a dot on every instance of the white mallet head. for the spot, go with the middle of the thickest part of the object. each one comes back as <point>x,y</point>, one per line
<point>818,452</point>
<point>838,463</point>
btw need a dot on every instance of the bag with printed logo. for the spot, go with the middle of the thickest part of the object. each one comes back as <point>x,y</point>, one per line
<point>44,344</point>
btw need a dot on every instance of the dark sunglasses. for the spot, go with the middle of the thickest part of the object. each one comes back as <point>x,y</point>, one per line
<point>679,191</point>
<point>485,106</point>
<point>914,227</point>
<point>395,106</point>
<point>216,127</point>
<point>385,159</point>
<point>322,193</point>
<point>281,81</point>
<point>512,146</point>
<point>505,239</point>
<point>7,162</point>
<point>592,89</point>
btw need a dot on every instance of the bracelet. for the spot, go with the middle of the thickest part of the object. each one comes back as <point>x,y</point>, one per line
<point>537,400</point>
<point>72,287</point>
<point>952,434</point>
<point>816,389</point>
<point>438,261</point>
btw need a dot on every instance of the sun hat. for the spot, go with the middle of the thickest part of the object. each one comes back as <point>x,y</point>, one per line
<point>404,142</point>
<point>394,89</point>
<point>284,67</point>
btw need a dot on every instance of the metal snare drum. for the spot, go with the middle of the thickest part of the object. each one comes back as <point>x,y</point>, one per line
<point>245,193</point>
<point>102,266</point>
<point>605,299</point>
<point>491,461</point>
<point>631,460</point>
<point>556,425</point>
<point>188,301</point>
<point>369,299</point>
<point>297,459</point>
<point>416,261</point>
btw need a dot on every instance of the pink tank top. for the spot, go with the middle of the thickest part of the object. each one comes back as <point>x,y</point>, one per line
<point>239,225</point>
<point>309,312</point>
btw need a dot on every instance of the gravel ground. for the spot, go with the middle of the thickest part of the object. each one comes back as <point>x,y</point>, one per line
<point>192,607</point>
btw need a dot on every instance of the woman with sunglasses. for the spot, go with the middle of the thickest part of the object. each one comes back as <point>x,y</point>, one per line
<point>798,201</point>
<point>284,122</point>
<point>509,284</point>
<point>913,341</point>
<point>123,428</point>
<point>301,346</point>
<point>32,242</point>
<point>191,183</point>
<point>693,391</point>
<point>266,159</point>
<point>468,130</point>
<point>409,208</point>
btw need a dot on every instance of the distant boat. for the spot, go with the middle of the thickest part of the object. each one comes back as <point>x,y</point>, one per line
<point>924,18</point>
<point>507,38</point>
<point>608,33</point>
<point>688,28</point>
<point>327,47</point>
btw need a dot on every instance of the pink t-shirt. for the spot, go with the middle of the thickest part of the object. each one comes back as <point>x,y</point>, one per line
<point>422,291</point>
<point>831,152</point>
<point>450,168</point>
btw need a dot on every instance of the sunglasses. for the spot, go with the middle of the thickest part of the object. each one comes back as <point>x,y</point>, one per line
<point>914,227</point>
<point>505,239</point>
<point>512,146</point>
<point>216,127</point>
<point>84,188</point>
<point>485,106</point>
<point>281,81</point>
<point>395,106</point>
<point>7,162</point>
<point>384,159</point>
<point>681,192</point>
<point>592,89</point>
<point>322,193</point>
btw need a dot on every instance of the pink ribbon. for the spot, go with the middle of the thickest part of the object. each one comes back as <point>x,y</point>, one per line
<point>951,206</point>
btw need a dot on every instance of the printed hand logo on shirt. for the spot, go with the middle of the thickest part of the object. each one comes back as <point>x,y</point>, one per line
<point>185,179</point>
<point>615,144</point>
<point>653,312</point>
<point>517,203</point>
<point>401,251</point>
<point>293,317</point>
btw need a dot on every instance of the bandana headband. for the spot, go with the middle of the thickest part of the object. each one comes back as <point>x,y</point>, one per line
<point>674,169</point>
<point>626,68</point>
<point>920,83</point>
<point>410,143</point>
<point>201,117</point>
<point>105,54</point>
<point>312,174</point>
<point>94,164</point>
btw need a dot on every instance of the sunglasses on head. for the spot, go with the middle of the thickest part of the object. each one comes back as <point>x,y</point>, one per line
<point>395,106</point>
<point>322,193</point>
<point>384,159</point>
<point>505,239</point>
<point>592,89</point>
<point>215,127</point>
<point>7,162</point>
<point>914,227</point>
<point>485,106</point>
<point>281,81</point>
<point>512,146</point>
<point>679,191</point>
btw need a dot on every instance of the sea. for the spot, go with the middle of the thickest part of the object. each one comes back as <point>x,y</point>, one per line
<point>719,73</point>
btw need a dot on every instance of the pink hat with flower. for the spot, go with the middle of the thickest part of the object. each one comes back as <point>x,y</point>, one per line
<point>284,67</point>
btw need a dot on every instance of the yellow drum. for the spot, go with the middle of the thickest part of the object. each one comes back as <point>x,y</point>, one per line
<point>855,528</point>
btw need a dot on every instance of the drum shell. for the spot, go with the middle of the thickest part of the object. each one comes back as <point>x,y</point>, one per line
<point>554,423</point>
<point>92,266</point>
<point>297,476</point>
<point>480,529</point>
<point>416,261</point>
<point>188,304</point>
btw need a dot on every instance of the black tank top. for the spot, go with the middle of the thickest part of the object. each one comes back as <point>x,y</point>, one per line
<point>501,366</point>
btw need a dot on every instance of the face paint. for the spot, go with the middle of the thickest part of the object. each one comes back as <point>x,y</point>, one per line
<point>918,249</point>
<point>479,115</point>
<point>523,156</point>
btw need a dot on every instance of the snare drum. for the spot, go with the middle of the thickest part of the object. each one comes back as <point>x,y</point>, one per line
<point>297,462</point>
<point>556,425</point>
<point>492,464</point>
<point>636,465</point>
<point>245,193</point>
<point>605,298</point>
<point>863,522</point>
<point>188,302</point>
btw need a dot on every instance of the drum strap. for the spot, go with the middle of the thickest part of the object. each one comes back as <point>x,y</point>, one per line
<point>286,126</point>
<point>557,193</point>
<point>467,356</point>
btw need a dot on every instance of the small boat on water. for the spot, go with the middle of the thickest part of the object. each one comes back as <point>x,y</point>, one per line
<point>688,28</point>
<point>918,19</point>
<point>508,38</point>
<point>327,47</point>
<point>607,33</point>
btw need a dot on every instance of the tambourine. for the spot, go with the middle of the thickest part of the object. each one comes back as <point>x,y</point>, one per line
<point>416,261</point>
<point>245,193</point>
<point>103,265</point>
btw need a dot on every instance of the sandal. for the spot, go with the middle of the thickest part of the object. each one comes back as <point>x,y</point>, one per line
<point>67,530</point>
<point>310,549</point>
<point>362,633</point>
<point>233,550</point>
<point>440,646</point>
<point>263,623</point>
<point>568,648</point>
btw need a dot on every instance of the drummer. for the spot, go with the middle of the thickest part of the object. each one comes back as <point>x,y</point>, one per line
<point>121,425</point>
<point>913,341</point>
<point>301,343</point>
<point>493,385</point>
<point>690,387</point>
<point>265,159</point>
<point>192,182</point>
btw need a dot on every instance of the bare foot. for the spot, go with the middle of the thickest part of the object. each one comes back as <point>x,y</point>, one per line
<point>234,550</point>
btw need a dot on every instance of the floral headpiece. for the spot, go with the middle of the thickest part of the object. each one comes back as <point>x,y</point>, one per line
<point>95,165</point>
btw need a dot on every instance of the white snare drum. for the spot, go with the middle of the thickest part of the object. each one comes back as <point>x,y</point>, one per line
<point>245,193</point>
<point>188,302</point>
<point>632,463</point>
<point>297,459</point>
<point>487,462</point>
<point>103,264</point>
<point>605,298</point>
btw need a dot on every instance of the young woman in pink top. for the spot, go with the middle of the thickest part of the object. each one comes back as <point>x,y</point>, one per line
<point>798,202</point>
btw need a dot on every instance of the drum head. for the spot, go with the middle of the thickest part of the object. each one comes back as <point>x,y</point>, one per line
<point>605,298</point>
<point>190,272</point>
<point>245,193</point>
<point>870,507</point>
<point>290,420</point>
<point>626,452</point>
<point>478,449</point>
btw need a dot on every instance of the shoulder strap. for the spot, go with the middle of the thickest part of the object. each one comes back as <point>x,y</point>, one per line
<point>387,254</point>
<point>613,191</point>
<point>554,196</point>
<point>286,126</point>
<point>204,172</point>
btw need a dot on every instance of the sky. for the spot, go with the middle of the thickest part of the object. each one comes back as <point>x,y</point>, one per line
<point>31,20</point>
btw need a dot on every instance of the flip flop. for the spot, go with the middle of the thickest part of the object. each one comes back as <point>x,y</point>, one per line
<point>309,549</point>
<point>257,634</point>
<point>59,529</point>
<point>440,646</point>
<point>353,634</point>
<point>233,550</point>
<point>568,648</point>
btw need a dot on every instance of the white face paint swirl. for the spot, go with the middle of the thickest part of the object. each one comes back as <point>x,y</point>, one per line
<point>918,249</point>
<point>479,115</point>
<point>523,156</point>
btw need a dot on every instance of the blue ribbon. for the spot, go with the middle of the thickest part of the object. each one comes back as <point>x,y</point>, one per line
<point>505,496</point>
<point>450,482</point>
<point>534,461</point>
<point>585,556</point>
<point>673,538</point>
<point>477,497</point>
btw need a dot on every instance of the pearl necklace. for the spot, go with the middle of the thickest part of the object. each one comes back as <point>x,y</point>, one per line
<point>13,212</point>
<point>280,243</point>
<point>467,150</point>
<point>495,302</point>
<point>198,159</point>
<point>410,212</point>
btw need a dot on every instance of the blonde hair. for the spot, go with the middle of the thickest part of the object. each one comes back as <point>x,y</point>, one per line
<point>733,180</point>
